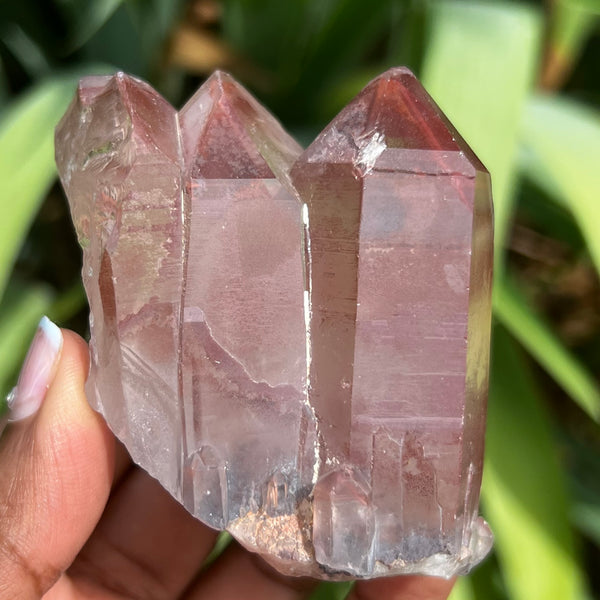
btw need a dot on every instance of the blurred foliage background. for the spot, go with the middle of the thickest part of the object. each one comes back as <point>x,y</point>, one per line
<point>521,81</point>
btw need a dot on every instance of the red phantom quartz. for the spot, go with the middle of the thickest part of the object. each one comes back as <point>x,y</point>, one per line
<point>294,343</point>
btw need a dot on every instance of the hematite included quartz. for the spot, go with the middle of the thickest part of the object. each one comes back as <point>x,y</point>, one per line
<point>294,343</point>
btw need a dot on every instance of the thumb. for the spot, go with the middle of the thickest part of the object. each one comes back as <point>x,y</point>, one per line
<point>56,465</point>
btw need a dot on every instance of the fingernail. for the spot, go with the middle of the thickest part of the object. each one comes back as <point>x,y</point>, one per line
<point>37,371</point>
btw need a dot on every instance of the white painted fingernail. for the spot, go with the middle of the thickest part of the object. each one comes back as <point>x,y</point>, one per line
<point>37,372</point>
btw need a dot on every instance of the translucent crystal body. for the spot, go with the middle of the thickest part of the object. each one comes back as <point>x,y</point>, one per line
<point>294,343</point>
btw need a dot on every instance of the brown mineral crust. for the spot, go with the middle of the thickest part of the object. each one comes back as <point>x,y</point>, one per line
<point>284,541</point>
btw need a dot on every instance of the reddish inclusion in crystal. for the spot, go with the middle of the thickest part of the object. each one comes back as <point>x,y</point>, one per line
<point>295,344</point>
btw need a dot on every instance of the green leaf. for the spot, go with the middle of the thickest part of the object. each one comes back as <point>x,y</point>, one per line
<point>586,517</point>
<point>20,312</point>
<point>3,412</point>
<point>133,38</point>
<point>331,591</point>
<point>572,23</point>
<point>485,582</point>
<point>25,50</point>
<point>4,93</point>
<point>479,66</point>
<point>583,459</point>
<point>221,544</point>
<point>463,590</point>
<point>562,143</point>
<point>154,20</point>
<point>480,584</point>
<point>85,18</point>
<point>68,303</point>
<point>305,48</point>
<point>524,493</point>
<point>511,308</point>
<point>592,6</point>
<point>407,28</point>
<point>27,161</point>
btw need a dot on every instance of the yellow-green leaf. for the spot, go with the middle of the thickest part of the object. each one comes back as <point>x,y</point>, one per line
<point>512,309</point>
<point>524,491</point>
<point>463,590</point>
<point>27,162</point>
<point>479,66</point>
<point>561,139</point>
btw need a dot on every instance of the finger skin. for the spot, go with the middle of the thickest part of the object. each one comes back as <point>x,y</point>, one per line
<point>57,469</point>
<point>407,587</point>
<point>146,545</point>
<point>238,574</point>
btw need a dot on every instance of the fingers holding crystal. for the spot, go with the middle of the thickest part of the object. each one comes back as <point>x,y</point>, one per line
<point>146,544</point>
<point>56,469</point>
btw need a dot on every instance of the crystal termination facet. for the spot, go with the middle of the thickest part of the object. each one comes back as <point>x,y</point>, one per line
<point>294,343</point>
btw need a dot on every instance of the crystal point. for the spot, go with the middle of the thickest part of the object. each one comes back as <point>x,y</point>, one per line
<point>295,343</point>
<point>399,214</point>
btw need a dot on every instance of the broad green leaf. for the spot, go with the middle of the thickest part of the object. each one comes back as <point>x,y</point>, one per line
<point>19,314</point>
<point>68,303</point>
<point>264,39</point>
<point>571,23</point>
<point>85,18</point>
<point>339,95</point>
<point>119,43</point>
<point>479,66</point>
<point>407,28</point>
<point>511,308</point>
<point>586,517</point>
<point>463,590</point>
<point>583,459</point>
<point>562,141</point>
<point>27,162</point>
<point>592,6</point>
<point>133,38</point>
<point>4,93</point>
<point>154,20</point>
<point>305,47</point>
<point>536,171</point>
<point>524,493</point>
<point>331,591</point>
<point>485,581</point>
<point>25,50</point>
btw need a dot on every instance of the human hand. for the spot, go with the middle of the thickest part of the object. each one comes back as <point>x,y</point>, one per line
<point>79,520</point>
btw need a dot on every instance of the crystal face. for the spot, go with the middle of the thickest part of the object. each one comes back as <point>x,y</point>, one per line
<point>294,343</point>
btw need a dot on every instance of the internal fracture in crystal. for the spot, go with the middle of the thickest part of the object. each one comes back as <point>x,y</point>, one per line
<point>294,343</point>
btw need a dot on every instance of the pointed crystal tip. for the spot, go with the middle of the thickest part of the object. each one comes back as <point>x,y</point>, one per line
<point>227,134</point>
<point>392,113</point>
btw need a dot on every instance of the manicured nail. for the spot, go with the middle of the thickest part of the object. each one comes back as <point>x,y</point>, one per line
<point>37,371</point>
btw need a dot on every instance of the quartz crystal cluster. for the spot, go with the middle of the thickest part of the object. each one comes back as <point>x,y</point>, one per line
<point>294,343</point>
